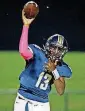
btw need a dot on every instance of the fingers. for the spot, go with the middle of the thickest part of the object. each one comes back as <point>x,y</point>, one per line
<point>53,62</point>
<point>23,12</point>
<point>23,16</point>
<point>56,62</point>
<point>50,66</point>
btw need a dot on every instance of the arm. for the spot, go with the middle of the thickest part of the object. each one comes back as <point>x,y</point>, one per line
<point>60,85</point>
<point>59,82</point>
<point>23,44</point>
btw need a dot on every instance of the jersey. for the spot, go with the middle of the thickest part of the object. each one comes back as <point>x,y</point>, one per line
<point>35,82</point>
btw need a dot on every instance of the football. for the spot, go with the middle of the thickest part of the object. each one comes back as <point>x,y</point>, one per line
<point>31,9</point>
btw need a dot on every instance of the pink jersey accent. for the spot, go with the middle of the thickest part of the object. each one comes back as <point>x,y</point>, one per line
<point>23,45</point>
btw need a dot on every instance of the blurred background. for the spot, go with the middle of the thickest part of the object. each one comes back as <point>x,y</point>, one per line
<point>55,16</point>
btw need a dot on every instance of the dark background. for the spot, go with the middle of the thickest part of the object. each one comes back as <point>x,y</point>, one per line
<point>63,17</point>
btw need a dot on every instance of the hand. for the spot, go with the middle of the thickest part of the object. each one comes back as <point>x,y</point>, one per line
<point>26,21</point>
<point>50,66</point>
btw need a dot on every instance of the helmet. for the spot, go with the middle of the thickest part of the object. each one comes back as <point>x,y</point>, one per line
<point>56,47</point>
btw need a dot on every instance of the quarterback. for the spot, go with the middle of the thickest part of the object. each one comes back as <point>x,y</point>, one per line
<point>44,67</point>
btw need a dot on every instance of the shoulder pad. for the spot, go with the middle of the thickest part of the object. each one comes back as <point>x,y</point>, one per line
<point>30,49</point>
<point>37,46</point>
<point>64,70</point>
<point>67,66</point>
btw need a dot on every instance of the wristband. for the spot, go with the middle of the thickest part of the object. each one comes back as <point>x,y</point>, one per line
<point>26,25</point>
<point>55,74</point>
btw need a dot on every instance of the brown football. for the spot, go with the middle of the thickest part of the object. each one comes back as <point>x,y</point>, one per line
<point>31,9</point>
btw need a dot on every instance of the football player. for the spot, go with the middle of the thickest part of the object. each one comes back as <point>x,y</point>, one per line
<point>44,67</point>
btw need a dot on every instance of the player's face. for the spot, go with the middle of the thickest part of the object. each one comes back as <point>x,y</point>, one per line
<point>55,52</point>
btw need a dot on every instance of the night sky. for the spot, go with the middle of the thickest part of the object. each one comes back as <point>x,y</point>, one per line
<point>63,17</point>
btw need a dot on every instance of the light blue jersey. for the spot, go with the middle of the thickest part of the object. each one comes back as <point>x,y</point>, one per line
<point>35,82</point>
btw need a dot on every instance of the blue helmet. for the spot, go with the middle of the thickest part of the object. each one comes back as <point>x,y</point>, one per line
<point>56,47</point>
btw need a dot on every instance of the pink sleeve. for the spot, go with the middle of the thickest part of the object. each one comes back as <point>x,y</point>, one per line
<point>23,44</point>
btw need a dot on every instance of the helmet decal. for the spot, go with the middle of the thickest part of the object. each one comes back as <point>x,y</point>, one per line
<point>60,40</point>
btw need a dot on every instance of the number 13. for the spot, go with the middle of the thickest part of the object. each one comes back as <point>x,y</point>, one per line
<point>45,83</point>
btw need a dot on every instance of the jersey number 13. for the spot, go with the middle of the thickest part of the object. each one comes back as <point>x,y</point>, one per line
<point>43,84</point>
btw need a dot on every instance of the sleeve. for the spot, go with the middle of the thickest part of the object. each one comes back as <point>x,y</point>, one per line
<point>25,52</point>
<point>35,50</point>
<point>64,71</point>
